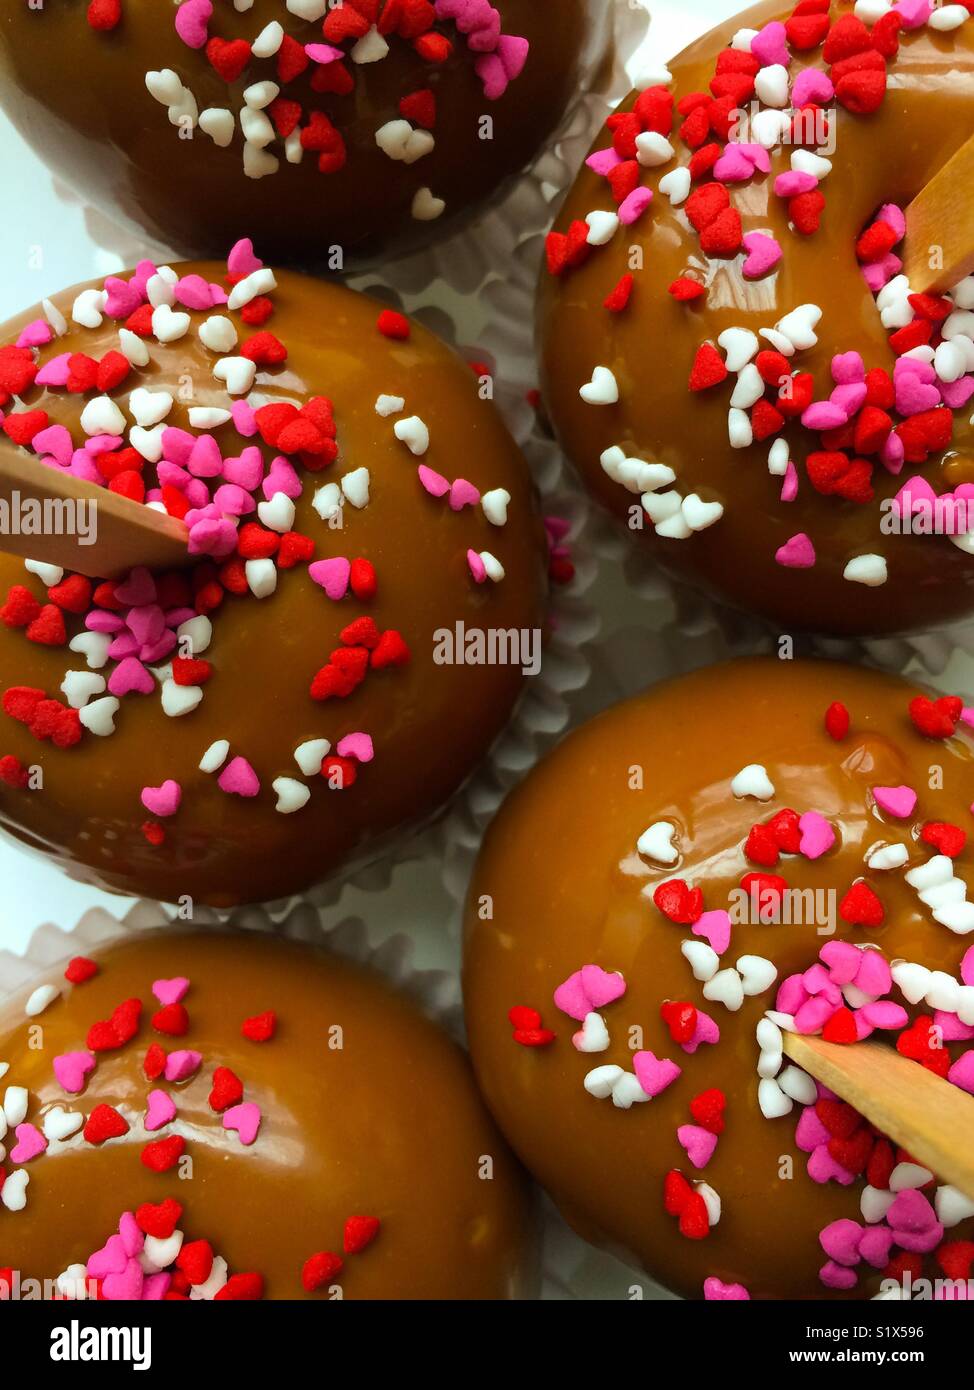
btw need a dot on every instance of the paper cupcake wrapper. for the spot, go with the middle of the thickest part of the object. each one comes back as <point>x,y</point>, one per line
<point>569,1267</point>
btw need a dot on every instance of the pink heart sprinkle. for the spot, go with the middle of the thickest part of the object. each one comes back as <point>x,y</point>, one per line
<point>951,1028</point>
<point>789,485</point>
<point>162,801</point>
<point>823,1168</point>
<point>764,253</point>
<point>875,1245</point>
<point>71,1070</point>
<point>172,991</point>
<point>357,746</point>
<point>798,553</point>
<point>602,162</point>
<point>30,1143</point>
<point>812,88</point>
<point>817,836</point>
<point>54,440</point>
<point>810,1133</point>
<point>239,778</point>
<point>476,567</point>
<point>55,372</point>
<point>434,483</point>
<point>874,975</point>
<point>885,1014</point>
<point>716,1291</point>
<point>848,368</point>
<point>333,575</point>
<point>112,1258</point>
<point>634,205</point>
<point>463,494</point>
<point>913,397</point>
<point>706,1031</point>
<point>194,292</point>
<point>910,1211</point>
<point>281,478</point>
<point>137,589</point>
<point>836,1276</point>
<point>245,1119</point>
<point>733,166</point>
<point>654,1073</point>
<point>962,1072</point>
<point>192,22</point>
<point>792,994</point>
<point>244,419</point>
<point>124,297</point>
<point>770,46</point>
<point>898,802</point>
<point>241,260</point>
<point>823,415</point>
<point>155,1287</point>
<point>794,182</point>
<point>247,470</point>
<point>131,1236</point>
<point>160,1110</point>
<point>715,928</point>
<point>587,990</point>
<point>843,960</point>
<point>699,1144</point>
<point>36,334</point>
<point>126,1286</point>
<point>182,1064</point>
<point>840,1241</point>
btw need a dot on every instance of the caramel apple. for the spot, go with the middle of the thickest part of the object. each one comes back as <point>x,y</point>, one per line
<point>237,1117</point>
<point>336,132</point>
<point>243,727</point>
<point>760,847</point>
<point>730,353</point>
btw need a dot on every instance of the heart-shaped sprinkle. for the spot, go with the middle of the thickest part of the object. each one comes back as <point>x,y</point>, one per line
<point>182,1064</point>
<point>715,928</point>
<point>593,1035</point>
<point>71,1070</point>
<point>699,1144</point>
<point>898,802</point>
<point>245,1119</point>
<point>30,1144</point>
<point>160,1110</point>
<point>162,801</point>
<point>588,990</point>
<point>654,1073</point>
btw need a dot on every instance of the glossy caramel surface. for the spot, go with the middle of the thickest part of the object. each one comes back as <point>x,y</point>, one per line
<point>367,1109</point>
<point>888,157</point>
<point>561,873</point>
<point>431,724</point>
<point>79,98</point>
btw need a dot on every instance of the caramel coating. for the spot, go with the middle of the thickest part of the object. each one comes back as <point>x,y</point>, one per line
<point>79,98</point>
<point>386,1123</point>
<point>431,724</point>
<point>562,874</point>
<point>926,116</point>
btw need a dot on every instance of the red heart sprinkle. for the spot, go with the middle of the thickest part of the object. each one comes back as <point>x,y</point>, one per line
<point>260,1028</point>
<point>360,1231</point>
<point>104,1123</point>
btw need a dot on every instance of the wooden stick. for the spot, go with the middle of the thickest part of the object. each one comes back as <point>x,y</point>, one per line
<point>927,1116</point>
<point>126,533</point>
<point>940,223</point>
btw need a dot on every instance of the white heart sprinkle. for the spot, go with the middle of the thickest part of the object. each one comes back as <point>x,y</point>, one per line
<point>291,794</point>
<point>309,755</point>
<point>603,389</point>
<point>215,756</point>
<point>593,1036</point>
<point>753,780</point>
<point>98,717</point>
<point>657,842</point>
